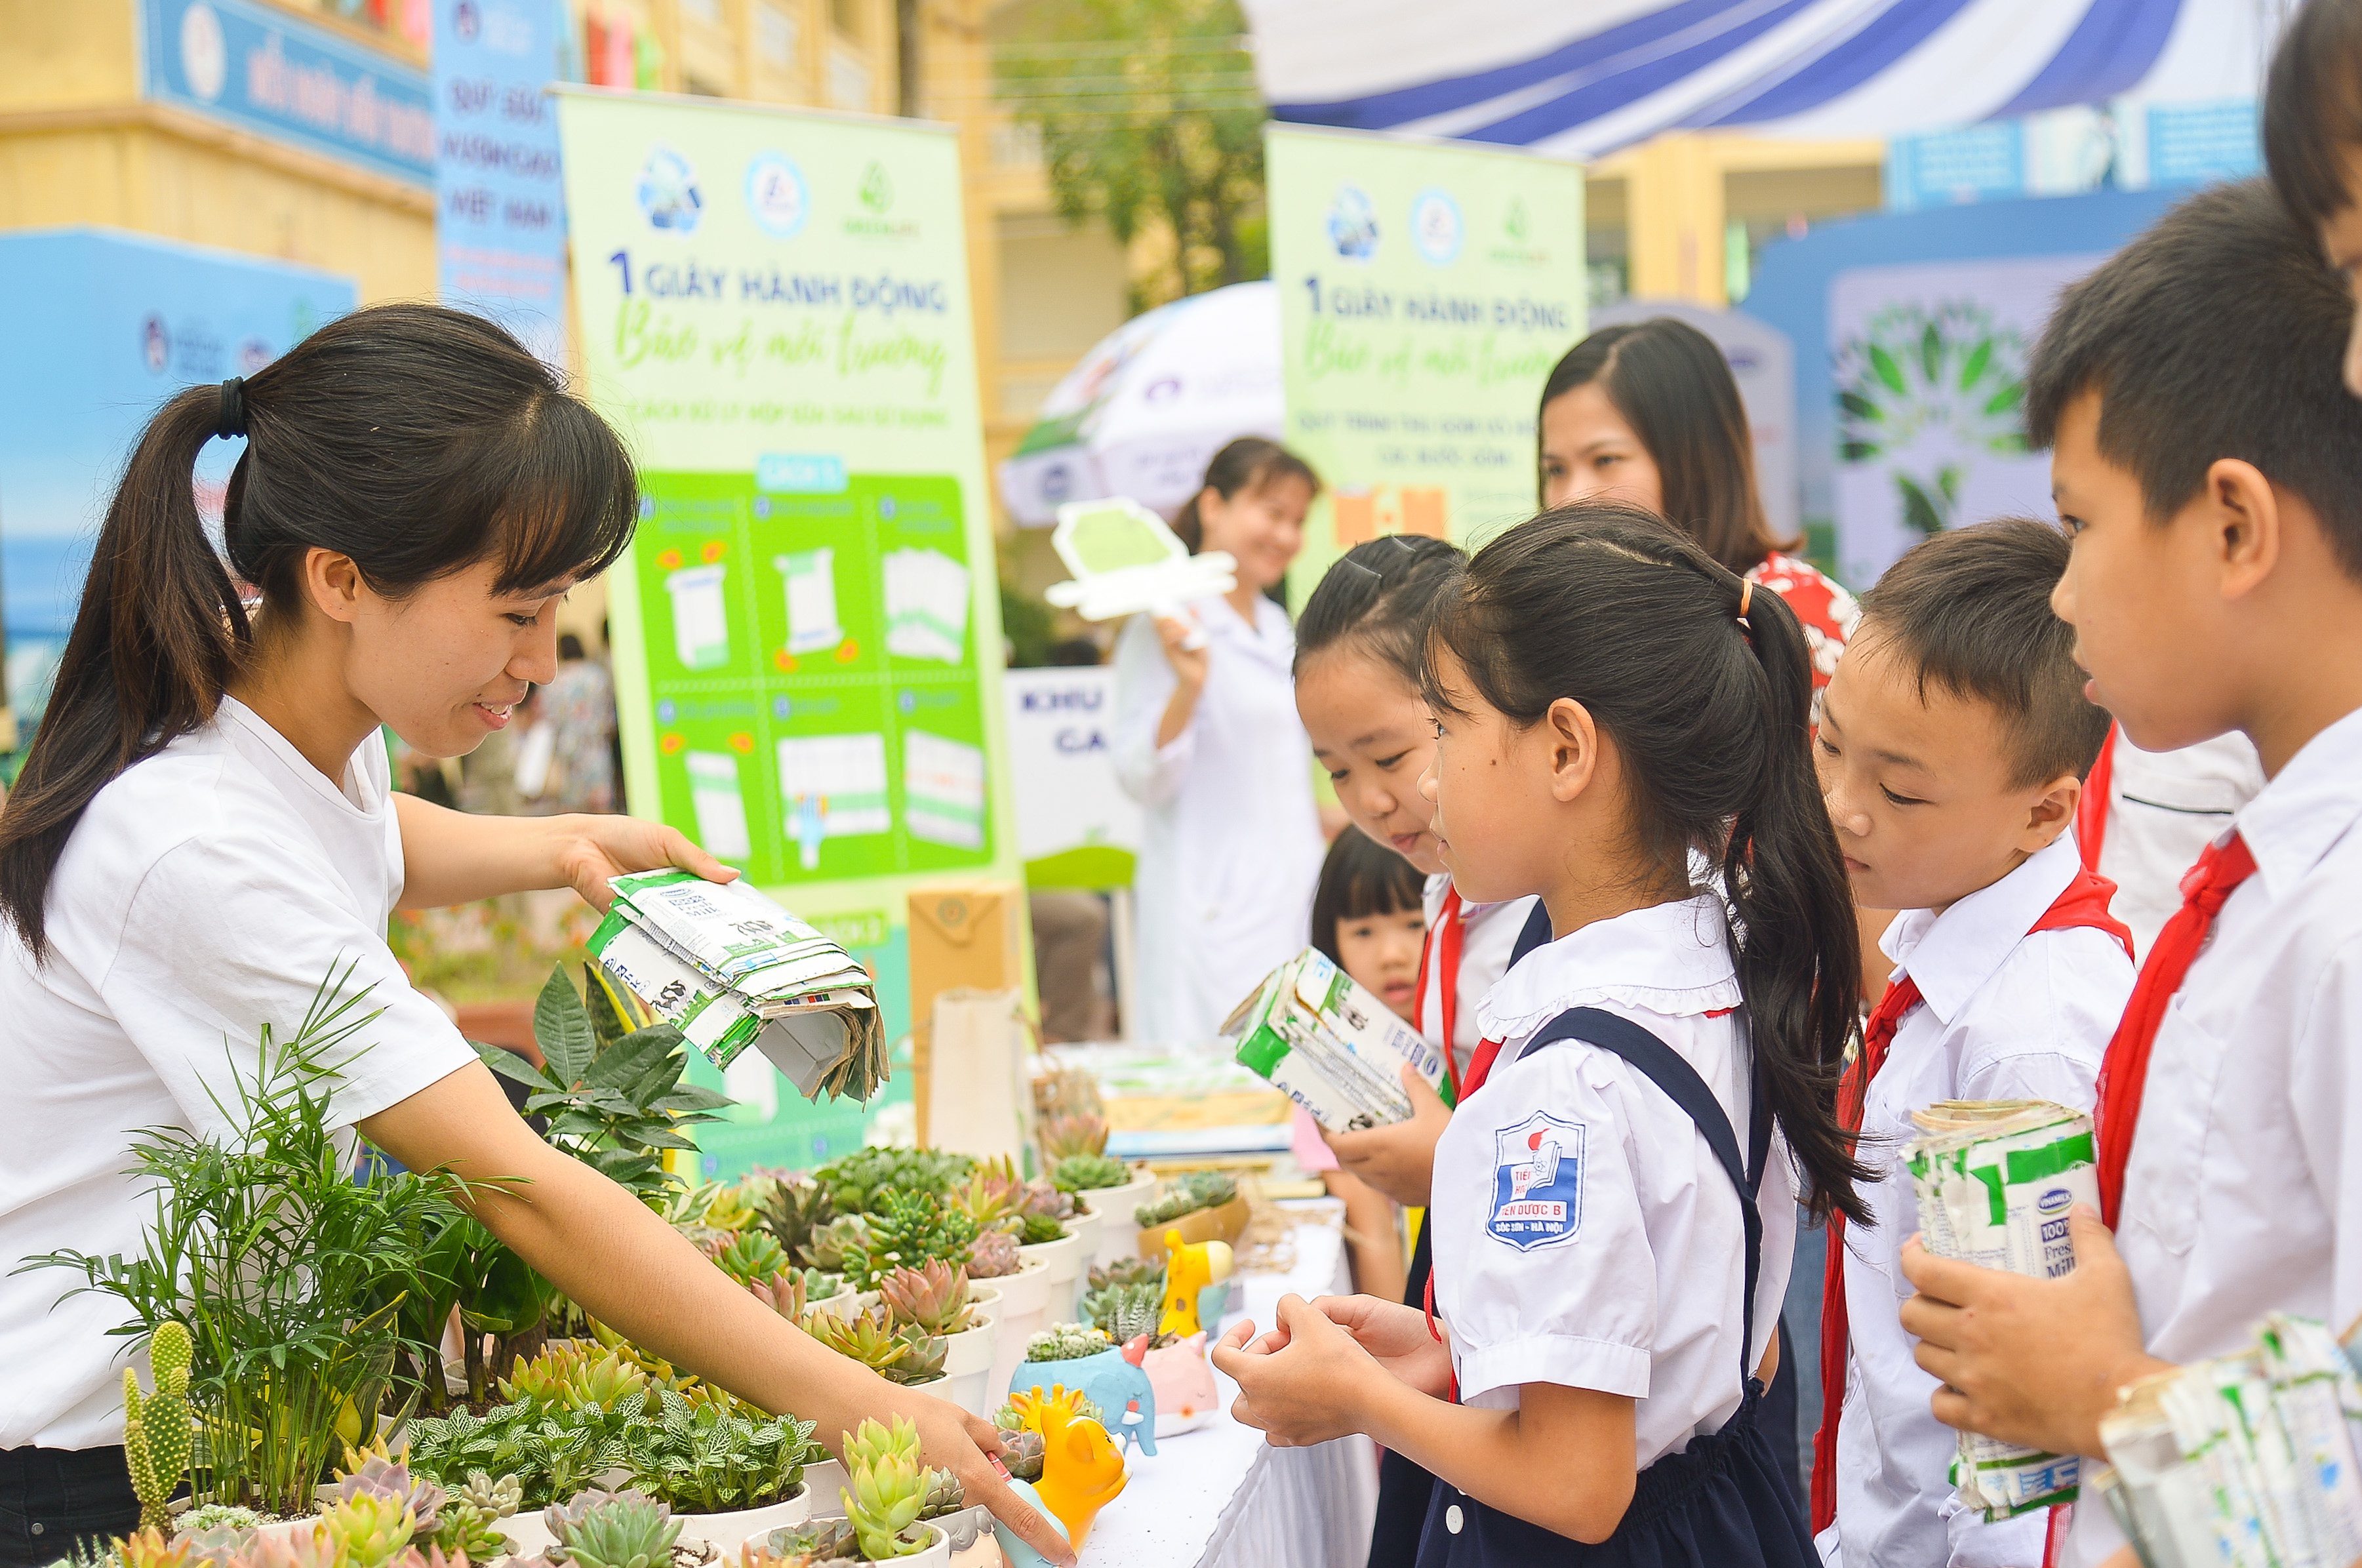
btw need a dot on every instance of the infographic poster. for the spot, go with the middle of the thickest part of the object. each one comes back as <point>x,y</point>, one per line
<point>774,309</point>
<point>1426,288</point>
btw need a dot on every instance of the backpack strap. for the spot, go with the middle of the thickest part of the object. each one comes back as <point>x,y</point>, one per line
<point>1663,1067</point>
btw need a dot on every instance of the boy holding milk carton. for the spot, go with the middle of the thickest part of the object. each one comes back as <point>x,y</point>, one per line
<point>1952,748</point>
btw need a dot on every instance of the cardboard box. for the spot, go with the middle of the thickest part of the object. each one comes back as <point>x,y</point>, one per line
<point>962,936</point>
<point>1332,1046</point>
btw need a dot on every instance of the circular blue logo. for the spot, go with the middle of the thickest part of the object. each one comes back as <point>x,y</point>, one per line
<point>1436,230</point>
<point>777,197</point>
<point>1353,224</point>
<point>668,192</point>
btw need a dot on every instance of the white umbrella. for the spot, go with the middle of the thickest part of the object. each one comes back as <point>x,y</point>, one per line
<point>1139,414</point>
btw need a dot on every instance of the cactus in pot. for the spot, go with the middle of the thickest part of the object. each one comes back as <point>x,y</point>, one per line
<point>159,1428</point>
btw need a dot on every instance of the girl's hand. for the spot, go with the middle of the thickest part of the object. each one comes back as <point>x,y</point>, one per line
<point>1307,1388</point>
<point>970,1448</point>
<point>1397,1337</point>
<point>1189,664</point>
<point>1400,1161</point>
<point>594,849</point>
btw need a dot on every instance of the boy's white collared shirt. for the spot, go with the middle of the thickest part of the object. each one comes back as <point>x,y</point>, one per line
<point>1633,1288</point>
<point>2005,1015</point>
<point>2239,1199</point>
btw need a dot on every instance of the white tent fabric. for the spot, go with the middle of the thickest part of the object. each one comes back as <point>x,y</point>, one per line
<point>1582,79</point>
<point>1141,413</point>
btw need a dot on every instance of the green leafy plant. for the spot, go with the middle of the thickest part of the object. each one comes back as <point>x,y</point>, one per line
<point>617,1108</point>
<point>285,1271</point>
<point>1185,1194</point>
<point>932,1298</point>
<point>1066,1341</point>
<point>160,1430</point>
<point>708,1459</point>
<point>910,1227</point>
<point>551,1451</point>
<point>612,1529</point>
<point>1089,1173</point>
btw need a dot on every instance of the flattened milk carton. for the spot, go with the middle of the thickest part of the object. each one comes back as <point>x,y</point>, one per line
<point>1332,1046</point>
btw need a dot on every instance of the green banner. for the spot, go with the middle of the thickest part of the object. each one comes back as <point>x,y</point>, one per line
<point>774,308</point>
<point>1425,290</point>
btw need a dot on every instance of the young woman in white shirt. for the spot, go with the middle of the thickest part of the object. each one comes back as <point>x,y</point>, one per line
<point>205,828</point>
<point>1607,1279</point>
<point>1206,739</point>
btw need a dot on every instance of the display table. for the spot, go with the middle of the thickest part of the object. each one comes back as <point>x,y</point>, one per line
<point>1220,1496</point>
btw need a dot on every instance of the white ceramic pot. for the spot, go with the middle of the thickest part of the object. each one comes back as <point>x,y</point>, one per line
<point>938,1553</point>
<point>842,1303</point>
<point>285,1530</point>
<point>729,1531</point>
<point>1084,1225</point>
<point>1063,1258</point>
<point>527,1535</point>
<point>1018,1315</point>
<point>1119,1231</point>
<point>984,1301</point>
<point>968,1367</point>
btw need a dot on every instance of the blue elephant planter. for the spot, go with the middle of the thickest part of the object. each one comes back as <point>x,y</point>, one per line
<point>1113,1380</point>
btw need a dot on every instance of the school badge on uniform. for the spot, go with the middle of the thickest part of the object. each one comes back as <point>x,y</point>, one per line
<point>1537,1182</point>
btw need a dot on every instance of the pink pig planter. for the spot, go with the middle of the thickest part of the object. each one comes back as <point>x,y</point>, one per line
<point>1184,1382</point>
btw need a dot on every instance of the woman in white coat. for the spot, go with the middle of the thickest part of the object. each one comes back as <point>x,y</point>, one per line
<point>1208,739</point>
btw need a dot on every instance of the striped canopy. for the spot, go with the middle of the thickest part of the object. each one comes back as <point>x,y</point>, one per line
<point>1581,78</point>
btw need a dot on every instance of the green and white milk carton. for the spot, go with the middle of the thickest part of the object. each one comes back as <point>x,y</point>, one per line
<point>1332,1046</point>
<point>1996,1180</point>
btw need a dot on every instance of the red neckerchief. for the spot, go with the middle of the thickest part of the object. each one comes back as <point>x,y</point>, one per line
<point>2092,810</point>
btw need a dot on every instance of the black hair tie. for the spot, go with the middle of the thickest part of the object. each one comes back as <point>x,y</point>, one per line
<point>231,420</point>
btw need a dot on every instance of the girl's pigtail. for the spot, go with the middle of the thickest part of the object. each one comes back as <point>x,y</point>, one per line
<point>157,637</point>
<point>1799,965</point>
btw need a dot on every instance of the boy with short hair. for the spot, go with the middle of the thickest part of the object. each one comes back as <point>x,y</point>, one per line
<point>1953,745</point>
<point>2207,467</point>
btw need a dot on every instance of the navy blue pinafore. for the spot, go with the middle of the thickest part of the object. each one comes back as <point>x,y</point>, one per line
<point>1719,1503</point>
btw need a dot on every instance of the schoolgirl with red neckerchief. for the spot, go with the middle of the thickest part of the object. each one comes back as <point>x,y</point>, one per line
<point>1614,1198</point>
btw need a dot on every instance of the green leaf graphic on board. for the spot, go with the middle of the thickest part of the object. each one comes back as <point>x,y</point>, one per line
<point>877,189</point>
<point>1924,394</point>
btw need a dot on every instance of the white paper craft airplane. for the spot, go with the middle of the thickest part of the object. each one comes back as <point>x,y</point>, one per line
<point>1126,560</point>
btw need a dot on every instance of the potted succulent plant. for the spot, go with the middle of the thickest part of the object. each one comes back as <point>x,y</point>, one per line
<point>935,1299</point>
<point>1023,1285</point>
<point>891,1502</point>
<point>1204,1206</point>
<point>907,1355</point>
<point>1073,1150</point>
<point>1127,1303</point>
<point>1081,1358</point>
<point>1043,1213</point>
<point>628,1528</point>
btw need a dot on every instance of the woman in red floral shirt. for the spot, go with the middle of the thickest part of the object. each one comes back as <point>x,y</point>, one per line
<point>1650,413</point>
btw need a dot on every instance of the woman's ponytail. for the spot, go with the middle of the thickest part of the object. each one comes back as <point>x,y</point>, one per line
<point>1799,967</point>
<point>1704,684</point>
<point>412,439</point>
<point>157,637</point>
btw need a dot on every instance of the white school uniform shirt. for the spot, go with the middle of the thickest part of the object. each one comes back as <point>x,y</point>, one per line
<point>1489,935</point>
<point>2005,1014</point>
<point>2163,808</point>
<point>1230,844</point>
<point>2238,1197</point>
<point>1640,1296</point>
<point>206,892</point>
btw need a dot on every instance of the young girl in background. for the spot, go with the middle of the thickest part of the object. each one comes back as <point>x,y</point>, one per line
<point>1606,1277</point>
<point>1368,920</point>
<point>1359,644</point>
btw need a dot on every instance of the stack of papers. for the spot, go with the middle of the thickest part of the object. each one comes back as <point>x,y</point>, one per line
<point>1332,1046</point>
<point>730,968</point>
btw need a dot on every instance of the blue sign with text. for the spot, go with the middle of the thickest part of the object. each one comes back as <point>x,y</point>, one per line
<point>500,208</point>
<point>263,70</point>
